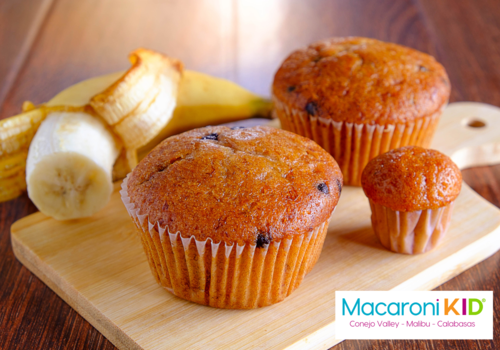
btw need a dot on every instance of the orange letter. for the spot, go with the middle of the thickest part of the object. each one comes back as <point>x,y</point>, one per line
<point>451,307</point>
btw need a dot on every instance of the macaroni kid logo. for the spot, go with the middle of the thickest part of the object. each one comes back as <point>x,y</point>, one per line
<point>414,315</point>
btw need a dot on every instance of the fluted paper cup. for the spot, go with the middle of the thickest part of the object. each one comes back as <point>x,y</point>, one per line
<point>412,232</point>
<point>222,274</point>
<point>353,145</point>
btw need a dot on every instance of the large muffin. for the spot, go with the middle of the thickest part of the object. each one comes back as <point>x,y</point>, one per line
<point>359,97</point>
<point>233,218</point>
<point>411,192</point>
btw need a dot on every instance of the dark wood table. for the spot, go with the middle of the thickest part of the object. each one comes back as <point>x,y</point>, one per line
<point>47,45</point>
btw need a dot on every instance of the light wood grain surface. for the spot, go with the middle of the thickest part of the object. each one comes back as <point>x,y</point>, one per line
<point>49,45</point>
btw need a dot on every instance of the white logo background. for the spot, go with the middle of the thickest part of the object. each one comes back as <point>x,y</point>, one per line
<point>408,326</point>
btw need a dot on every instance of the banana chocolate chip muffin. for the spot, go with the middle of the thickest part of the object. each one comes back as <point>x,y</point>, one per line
<point>411,192</point>
<point>359,97</point>
<point>233,218</point>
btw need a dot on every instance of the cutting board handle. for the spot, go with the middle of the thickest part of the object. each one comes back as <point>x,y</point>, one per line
<point>469,133</point>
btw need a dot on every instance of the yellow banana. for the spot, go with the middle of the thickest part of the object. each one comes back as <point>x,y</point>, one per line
<point>202,100</point>
<point>137,104</point>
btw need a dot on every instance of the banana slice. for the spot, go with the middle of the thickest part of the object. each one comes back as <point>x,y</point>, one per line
<point>123,96</point>
<point>69,165</point>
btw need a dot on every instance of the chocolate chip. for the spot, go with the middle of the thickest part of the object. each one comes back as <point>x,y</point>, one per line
<point>290,88</point>
<point>323,188</point>
<point>262,240</point>
<point>423,69</point>
<point>339,185</point>
<point>237,127</point>
<point>213,136</point>
<point>312,108</point>
<point>317,58</point>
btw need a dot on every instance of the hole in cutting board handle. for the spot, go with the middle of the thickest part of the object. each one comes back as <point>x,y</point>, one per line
<point>475,122</point>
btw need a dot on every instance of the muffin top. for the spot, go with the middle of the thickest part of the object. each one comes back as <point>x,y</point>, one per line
<point>241,185</point>
<point>360,80</point>
<point>412,178</point>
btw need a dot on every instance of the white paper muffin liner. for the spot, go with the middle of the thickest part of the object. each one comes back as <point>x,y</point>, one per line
<point>353,145</point>
<point>225,275</point>
<point>412,232</point>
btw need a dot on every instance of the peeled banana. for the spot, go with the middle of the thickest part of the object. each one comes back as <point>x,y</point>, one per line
<point>69,165</point>
<point>154,99</point>
<point>202,100</point>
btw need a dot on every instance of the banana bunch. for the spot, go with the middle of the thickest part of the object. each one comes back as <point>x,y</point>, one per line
<point>70,149</point>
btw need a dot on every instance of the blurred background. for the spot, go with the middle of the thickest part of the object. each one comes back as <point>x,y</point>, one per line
<point>47,45</point>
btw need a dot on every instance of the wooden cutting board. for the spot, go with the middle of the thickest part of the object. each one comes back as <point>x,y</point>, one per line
<point>98,267</point>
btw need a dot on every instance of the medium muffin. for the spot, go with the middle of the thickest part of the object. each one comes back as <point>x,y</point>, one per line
<point>233,218</point>
<point>359,97</point>
<point>411,192</point>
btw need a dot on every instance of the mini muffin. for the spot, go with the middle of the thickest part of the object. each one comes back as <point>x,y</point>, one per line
<point>359,97</point>
<point>411,192</point>
<point>233,218</point>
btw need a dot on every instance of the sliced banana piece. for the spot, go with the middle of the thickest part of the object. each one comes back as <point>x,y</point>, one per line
<point>69,165</point>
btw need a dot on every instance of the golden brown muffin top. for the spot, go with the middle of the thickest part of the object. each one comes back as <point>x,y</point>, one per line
<point>412,178</point>
<point>241,185</point>
<point>360,80</point>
